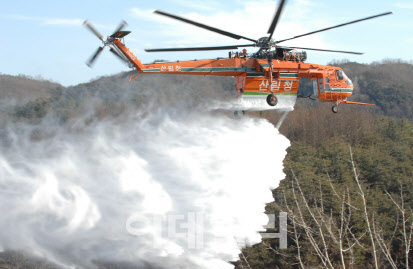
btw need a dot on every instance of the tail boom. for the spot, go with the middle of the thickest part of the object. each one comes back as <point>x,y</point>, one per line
<point>129,55</point>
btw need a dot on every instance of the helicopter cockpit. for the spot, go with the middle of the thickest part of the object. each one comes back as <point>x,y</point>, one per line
<point>342,76</point>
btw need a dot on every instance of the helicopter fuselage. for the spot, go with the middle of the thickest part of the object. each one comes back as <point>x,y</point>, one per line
<point>256,77</point>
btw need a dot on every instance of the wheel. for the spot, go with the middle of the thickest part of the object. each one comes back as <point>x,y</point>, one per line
<point>335,109</point>
<point>272,100</point>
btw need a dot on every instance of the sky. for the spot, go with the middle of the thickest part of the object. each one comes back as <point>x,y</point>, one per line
<point>45,38</point>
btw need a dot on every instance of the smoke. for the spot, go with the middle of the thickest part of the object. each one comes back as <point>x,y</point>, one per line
<point>163,185</point>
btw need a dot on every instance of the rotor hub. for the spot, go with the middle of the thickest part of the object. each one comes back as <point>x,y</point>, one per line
<point>265,42</point>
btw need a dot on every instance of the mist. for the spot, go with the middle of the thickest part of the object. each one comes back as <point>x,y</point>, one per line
<point>165,181</point>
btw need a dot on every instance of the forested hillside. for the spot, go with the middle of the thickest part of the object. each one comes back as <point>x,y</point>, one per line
<point>349,185</point>
<point>388,84</point>
<point>21,89</point>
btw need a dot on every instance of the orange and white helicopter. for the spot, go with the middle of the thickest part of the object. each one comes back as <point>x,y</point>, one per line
<point>269,74</point>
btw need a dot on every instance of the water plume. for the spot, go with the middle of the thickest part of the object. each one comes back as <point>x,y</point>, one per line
<point>160,186</point>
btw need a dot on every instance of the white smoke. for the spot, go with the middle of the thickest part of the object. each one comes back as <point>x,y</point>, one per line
<point>157,189</point>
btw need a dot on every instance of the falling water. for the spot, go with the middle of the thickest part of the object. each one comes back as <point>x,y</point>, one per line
<point>162,186</point>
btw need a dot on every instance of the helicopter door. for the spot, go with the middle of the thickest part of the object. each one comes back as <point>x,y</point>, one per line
<point>315,88</point>
<point>327,87</point>
<point>320,85</point>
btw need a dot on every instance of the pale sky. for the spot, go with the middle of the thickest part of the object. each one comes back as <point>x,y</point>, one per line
<point>46,37</point>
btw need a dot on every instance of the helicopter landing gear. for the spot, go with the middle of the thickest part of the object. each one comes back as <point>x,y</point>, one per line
<point>335,108</point>
<point>272,100</point>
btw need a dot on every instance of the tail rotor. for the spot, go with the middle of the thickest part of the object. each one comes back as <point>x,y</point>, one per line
<point>122,25</point>
<point>108,42</point>
<point>93,30</point>
<point>94,56</point>
<point>118,55</point>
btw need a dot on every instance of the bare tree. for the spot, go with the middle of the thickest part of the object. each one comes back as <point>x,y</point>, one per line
<point>326,233</point>
<point>383,244</point>
<point>335,222</point>
<point>407,222</point>
<point>366,216</point>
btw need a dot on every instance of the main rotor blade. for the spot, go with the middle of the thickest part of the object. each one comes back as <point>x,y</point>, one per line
<point>121,26</point>
<point>118,55</point>
<point>210,28</point>
<point>200,48</point>
<point>340,25</point>
<point>338,51</point>
<point>276,18</point>
<point>93,30</point>
<point>93,58</point>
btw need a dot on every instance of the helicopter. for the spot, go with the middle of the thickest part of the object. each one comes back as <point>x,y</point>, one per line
<point>270,74</point>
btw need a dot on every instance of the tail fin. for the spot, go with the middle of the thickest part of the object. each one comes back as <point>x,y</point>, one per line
<point>129,55</point>
<point>120,34</point>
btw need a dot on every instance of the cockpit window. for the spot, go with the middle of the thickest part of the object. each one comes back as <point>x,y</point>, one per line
<point>345,77</point>
<point>340,74</point>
